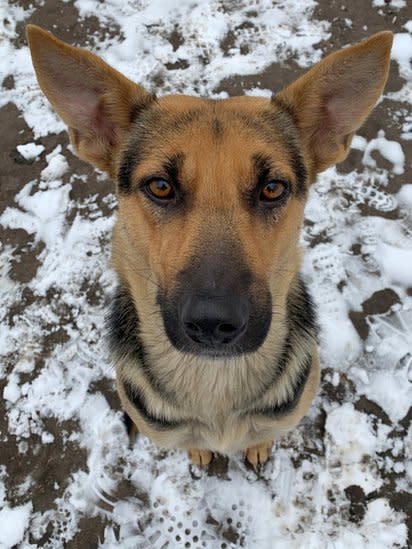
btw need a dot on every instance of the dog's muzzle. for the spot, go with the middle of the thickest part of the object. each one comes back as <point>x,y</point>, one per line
<point>217,307</point>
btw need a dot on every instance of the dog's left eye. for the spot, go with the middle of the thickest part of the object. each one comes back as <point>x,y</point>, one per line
<point>274,191</point>
<point>160,189</point>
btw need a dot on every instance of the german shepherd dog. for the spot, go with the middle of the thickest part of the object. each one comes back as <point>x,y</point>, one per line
<point>212,329</point>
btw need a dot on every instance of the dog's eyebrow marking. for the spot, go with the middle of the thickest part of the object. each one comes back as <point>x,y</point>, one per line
<point>263,167</point>
<point>278,122</point>
<point>136,397</point>
<point>282,118</point>
<point>151,126</point>
<point>173,167</point>
<point>125,173</point>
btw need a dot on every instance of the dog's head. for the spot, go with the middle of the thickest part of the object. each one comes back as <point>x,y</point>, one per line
<point>211,192</point>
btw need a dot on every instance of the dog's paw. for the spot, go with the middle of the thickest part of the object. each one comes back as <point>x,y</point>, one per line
<point>258,454</point>
<point>201,458</point>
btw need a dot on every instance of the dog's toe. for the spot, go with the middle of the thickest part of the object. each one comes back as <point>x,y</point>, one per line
<point>258,454</point>
<point>201,458</point>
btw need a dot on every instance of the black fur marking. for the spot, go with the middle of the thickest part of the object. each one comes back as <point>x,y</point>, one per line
<point>277,125</point>
<point>290,404</point>
<point>136,109</point>
<point>305,311</point>
<point>265,173</point>
<point>128,423</point>
<point>287,108</point>
<point>173,167</point>
<point>124,175</point>
<point>302,325</point>
<point>124,341</point>
<point>282,120</point>
<point>217,128</point>
<point>136,397</point>
<point>298,167</point>
<point>263,167</point>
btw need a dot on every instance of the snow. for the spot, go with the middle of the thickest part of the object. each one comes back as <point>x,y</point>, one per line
<point>299,500</point>
<point>391,150</point>
<point>57,166</point>
<point>13,522</point>
<point>30,151</point>
<point>393,3</point>
<point>340,424</point>
<point>405,196</point>
<point>402,48</point>
<point>396,263</point>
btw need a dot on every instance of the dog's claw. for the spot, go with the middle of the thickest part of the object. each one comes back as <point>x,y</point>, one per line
<point>201,458</point>
<point>258,454</point>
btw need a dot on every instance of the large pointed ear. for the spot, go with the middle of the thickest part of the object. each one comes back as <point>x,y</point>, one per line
<point>331,101</point>
<point>97,103</point>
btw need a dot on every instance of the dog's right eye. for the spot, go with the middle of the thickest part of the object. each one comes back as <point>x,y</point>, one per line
<point>160,190</point>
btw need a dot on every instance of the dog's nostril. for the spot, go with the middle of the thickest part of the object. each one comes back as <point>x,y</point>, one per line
<point>226,328</point>
<point>214,321</point>
<point>193,328</point>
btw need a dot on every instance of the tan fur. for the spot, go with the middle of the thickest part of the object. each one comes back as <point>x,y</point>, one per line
<point>318,114</point>
<point>259,453</point>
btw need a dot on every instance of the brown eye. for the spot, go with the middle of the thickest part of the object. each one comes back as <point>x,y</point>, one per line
<point>274,191</point>
<point>160,189</point>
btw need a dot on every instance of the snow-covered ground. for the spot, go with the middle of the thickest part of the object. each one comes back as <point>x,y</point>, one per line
<point>68,477</point>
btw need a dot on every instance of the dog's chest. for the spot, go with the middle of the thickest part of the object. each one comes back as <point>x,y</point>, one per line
<point>212,404</point>
<point>209,392</point>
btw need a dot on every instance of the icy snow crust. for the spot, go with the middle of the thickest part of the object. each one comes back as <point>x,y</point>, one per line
<point>299,499</point>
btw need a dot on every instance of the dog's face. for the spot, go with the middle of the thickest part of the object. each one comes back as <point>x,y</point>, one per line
<point>211,193</point>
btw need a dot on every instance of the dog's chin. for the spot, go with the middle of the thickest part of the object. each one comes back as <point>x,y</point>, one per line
<point>211,353</point>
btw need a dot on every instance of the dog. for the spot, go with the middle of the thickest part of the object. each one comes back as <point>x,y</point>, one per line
<point>212,329</point>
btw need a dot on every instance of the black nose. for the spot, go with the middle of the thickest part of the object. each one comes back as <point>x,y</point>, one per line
<point>214,321</point>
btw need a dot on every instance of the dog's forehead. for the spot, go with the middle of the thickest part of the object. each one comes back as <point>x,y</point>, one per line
<point>246,104</point>
<point>179,114</point>
<point>208,134</point>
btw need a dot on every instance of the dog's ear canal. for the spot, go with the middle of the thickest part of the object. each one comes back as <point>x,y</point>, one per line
<point>332,100</point>
<point>96,102</point>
